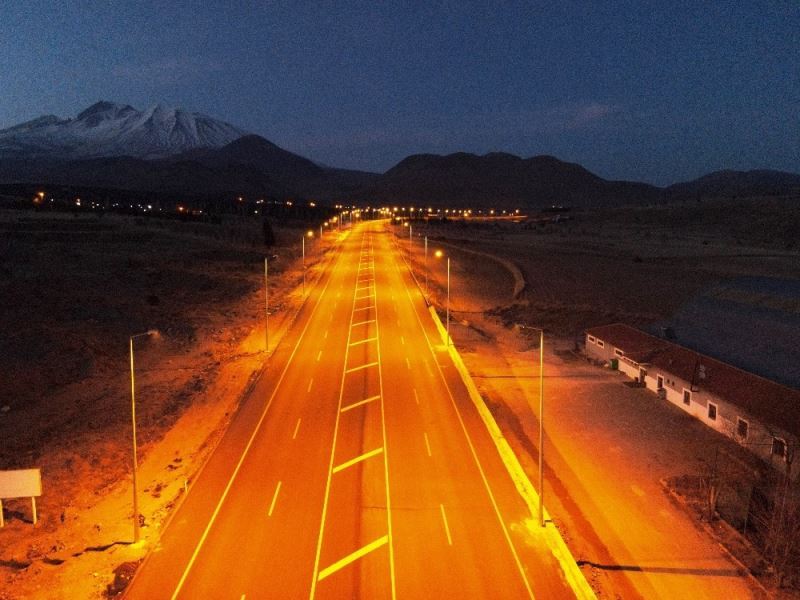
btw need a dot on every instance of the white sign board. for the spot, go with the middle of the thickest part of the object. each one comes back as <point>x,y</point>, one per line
<point>23,483</point>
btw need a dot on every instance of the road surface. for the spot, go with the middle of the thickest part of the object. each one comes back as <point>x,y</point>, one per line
<point>356,468</point>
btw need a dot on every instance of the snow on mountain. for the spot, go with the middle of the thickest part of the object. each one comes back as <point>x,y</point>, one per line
<point>109,129</point>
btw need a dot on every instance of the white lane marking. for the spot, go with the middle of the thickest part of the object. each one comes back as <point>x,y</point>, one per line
<point>242,598</point>
<point>403,340</point>
<point>357,460</point>
<point>364,341</point>
<point>446,526</point>
<point>408,363</point>
<point>364,308</point>
<point>362,323</point>
<point>416,396</point>
<point>319,355</point>
<point>368,296</point>
<point>296,429</point>
<point>310,383</point>
<point>340,564</point>
<point>274,499</point>
<point>360,367</point>
<point>427,444</point>
<point>326,334</point>
<point>359,403</point>
<point>246,450</point>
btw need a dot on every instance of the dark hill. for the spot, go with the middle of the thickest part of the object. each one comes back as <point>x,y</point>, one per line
<point>501,180</point>
<point>737,183</point>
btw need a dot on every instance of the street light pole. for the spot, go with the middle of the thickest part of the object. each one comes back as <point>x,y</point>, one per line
<point>136,527</point>
<point>541,427</point>
<point>304,265</point>
<point>426,266</point>
<point>448,301</point>
<point>266,305</point>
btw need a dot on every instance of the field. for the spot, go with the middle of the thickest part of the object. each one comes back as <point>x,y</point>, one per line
<point>74,289</point>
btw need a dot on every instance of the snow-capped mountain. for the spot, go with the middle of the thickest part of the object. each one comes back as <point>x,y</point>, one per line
<point>109,129</point>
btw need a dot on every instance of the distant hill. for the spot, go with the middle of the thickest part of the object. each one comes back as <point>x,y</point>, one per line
<point>737,183</point>
<point>171,150</point>
<point>500,180</point>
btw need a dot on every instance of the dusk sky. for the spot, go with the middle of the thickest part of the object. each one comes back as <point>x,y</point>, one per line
<point>651,91</point>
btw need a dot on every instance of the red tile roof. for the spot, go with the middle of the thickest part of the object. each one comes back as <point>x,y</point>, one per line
<point>765,400</point>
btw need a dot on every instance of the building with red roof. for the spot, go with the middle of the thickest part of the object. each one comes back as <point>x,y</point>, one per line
<point>760,414</point>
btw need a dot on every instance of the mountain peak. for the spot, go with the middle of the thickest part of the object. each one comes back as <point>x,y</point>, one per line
<point>111,129</point>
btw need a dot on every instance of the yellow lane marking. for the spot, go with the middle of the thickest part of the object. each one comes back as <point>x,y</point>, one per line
<point>427,444</point>
<point>274,499</point>
<point>340,564</point>
<point>364,341</point>
<point>359,403</point>
<point>296,429</point>
<point>446,527</point>
<point>357,459</point>
<point>359,368</point>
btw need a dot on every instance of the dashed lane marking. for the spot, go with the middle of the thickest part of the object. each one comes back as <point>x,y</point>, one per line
<point>310,383</point>
<point>296,429</point>
<point>274,499</point>
<point>416,396</point>
<point>427,444</point>
<point>446,526</point>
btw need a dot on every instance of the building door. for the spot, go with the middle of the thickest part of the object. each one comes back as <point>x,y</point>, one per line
<point>659,383</point>
<point>642,375</point>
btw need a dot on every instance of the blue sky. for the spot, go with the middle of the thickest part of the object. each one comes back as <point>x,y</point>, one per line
<point>650,91</point>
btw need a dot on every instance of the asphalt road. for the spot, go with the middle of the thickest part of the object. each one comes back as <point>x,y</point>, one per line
<point>357,467</point>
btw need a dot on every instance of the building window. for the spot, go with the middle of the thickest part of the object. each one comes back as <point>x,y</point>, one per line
<point>601,343</point>
<point>619,352</point>
<point>779,447</point>
<point>712,410</point>
<point>742,428</point>
<point>687,400</point>
<point>592,339</point>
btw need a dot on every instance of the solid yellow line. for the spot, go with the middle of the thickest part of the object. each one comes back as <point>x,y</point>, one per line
<point>340,564</point>
<point>346,408</point>
<point>357,459</point>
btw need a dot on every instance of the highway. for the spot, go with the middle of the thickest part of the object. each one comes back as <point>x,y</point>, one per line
<point>356,468</point>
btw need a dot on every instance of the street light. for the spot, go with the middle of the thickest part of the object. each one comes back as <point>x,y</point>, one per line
<point>266,305</point>
<point>136,532</point>
<point>541,420</point>
<point>447,329</point>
